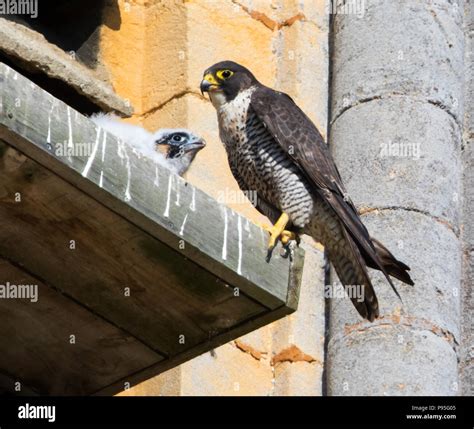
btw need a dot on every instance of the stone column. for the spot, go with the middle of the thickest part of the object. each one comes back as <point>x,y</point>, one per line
<point>466,367</point>
<point>396,127</point>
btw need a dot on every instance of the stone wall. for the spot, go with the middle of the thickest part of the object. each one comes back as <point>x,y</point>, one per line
<point>156,60</point>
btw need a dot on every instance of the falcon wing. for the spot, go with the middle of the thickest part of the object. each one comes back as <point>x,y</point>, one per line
<point>303,143</point>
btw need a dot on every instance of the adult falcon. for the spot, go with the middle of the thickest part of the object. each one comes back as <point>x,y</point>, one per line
<point>274,149</point>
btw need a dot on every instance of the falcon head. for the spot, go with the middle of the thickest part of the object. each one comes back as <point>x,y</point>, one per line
<point>180,147</point>
<point>224,80</point>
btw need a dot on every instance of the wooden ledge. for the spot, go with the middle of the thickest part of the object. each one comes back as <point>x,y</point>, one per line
<point>137,270</point>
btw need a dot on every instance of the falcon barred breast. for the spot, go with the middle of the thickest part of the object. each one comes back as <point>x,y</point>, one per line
<point>273,148</point>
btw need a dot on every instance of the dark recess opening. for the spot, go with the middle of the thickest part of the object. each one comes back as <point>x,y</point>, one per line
<point>67,24</point>
<point>72,26</point>
<point>55,87</point>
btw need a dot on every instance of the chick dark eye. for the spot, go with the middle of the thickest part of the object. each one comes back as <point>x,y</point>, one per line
<point>177,138</point>
<point>226,74</point>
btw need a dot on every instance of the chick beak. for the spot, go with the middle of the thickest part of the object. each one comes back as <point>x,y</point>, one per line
<point>195,145</point>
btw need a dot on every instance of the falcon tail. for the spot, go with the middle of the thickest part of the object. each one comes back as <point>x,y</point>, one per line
<point>351,269</point>
<point>392,265</point>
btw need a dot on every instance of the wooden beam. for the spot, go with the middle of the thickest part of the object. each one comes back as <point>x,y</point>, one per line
<point>90,346</point>
<point>159,202</point>
<point>120,245</point>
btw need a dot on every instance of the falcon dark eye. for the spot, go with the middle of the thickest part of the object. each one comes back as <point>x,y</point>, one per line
<point>177,138</point>
<point>224,74</point>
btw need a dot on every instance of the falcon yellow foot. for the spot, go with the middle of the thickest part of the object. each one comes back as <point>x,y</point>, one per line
<point>287,236</point>
<point>278,231</point>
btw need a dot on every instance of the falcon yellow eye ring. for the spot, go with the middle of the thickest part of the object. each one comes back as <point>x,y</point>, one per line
<point>224,74</point>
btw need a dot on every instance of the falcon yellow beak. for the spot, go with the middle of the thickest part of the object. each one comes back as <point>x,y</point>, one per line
<point>209,83</point>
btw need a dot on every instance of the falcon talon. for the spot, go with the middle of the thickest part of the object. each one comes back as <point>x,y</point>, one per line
<point>287,251</point>
<point>269,255</point>
<point>271,246</point>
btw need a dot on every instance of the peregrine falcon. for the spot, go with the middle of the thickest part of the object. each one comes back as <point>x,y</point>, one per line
<point>179,146</point>
<point>273,148</point>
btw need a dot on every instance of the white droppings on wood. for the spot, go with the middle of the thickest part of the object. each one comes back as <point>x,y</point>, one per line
<point>119,151</point>
<point>48,137</point>
<point>192,206</point>
<point>15,76</point>
<point>239,229</point>
<point>137,152</point>
<point>157,177</point>
<point>224,244</point>
<point>53,106</point>
<point>247,228</point>
<point>178,192</point>
<point>181,231</point>
<point>70,143</point>
<point>91,158</point>
<point>168,199</point>
<point>104,144</point>
<point>128,197</point>
<point>122,153</point>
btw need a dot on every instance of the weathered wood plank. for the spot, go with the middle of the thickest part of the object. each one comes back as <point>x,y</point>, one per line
<point>115,269</point>
<point>158,202</point>
<point>214,342</point>
<point>37,348</point>
<point>152,257</point>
